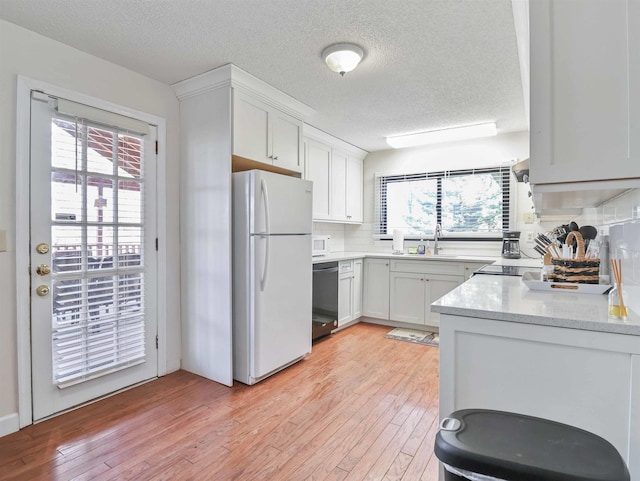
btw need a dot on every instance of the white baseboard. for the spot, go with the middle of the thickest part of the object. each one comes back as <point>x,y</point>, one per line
<point>9,424</point>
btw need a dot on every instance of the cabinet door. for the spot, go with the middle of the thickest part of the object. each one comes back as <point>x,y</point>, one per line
<point>338,185</point>
<point>354,190</point>
<point>345,299</point>
<point>436,287</point>
<point>250,128</point>
<point>469,269</point>
<point>357,288</point>
<point>318,167</point>
<point>286,138</point>
<point>407,297</point>
<point>585,90</point>
<point>376,288</point>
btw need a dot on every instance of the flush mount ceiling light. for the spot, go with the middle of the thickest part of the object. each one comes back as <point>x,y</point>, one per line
<point>342,57</point>
<point>444,135</point>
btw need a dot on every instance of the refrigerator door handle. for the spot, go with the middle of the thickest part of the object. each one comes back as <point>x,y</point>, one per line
<point>265,204</point>
<point>265,270</point>
<point>265,197</point>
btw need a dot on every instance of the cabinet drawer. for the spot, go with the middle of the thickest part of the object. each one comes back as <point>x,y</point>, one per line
<point>428,267</point>
<point>345,266</point>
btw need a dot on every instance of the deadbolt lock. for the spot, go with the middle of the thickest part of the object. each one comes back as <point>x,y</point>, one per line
<point>42,248</point>
<point>43,270</point>
<point>42,290</point>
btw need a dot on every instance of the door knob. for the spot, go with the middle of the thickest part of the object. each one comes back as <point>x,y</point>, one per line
<point>42,290</point>
<point>43,270</point>
<point>42,248</point>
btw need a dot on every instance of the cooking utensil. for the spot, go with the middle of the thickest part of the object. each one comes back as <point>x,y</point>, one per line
<point>588,232</point>
<point>539,250</point>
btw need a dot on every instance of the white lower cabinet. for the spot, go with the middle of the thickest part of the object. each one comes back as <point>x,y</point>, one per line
<point>471,267</point>
<point>357,288</point>
<point>349,291</point>
<point>414,285</point>
<point>411,295</point>
<point>586,379</point>
<point>376,289</point>
<point>407,297</point>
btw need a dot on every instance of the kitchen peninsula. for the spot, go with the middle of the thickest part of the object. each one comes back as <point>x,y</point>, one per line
<point>549,354</point>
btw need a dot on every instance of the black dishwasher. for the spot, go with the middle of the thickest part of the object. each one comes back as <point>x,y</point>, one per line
<point>325,299</point>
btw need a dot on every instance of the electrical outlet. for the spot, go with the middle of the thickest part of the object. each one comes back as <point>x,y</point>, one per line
<point>529,218</point>
<point>529,237</point>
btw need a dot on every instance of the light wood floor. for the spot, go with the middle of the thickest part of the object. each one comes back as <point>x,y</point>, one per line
<point>359,407</point>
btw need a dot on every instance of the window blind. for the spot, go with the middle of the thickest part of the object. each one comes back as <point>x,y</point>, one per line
<point>98,258</point>
<point>81,111</point>
<point>469,203</point>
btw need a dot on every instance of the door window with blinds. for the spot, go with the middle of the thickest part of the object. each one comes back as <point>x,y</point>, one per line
<point>468,204</point>
<point>97,254</point>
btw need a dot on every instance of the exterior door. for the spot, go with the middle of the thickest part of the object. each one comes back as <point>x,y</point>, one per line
<point>93,256</point>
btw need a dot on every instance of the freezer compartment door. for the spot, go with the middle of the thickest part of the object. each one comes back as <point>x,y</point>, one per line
<point>282,204</point>
<point>282,302</point>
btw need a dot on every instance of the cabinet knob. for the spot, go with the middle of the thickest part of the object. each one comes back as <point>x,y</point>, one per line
<point>275,157</point>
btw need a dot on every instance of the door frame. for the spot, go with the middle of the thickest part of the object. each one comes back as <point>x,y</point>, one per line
<point>23,319</point>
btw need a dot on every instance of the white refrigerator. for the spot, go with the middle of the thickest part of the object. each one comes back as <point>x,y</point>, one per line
<point>272,273</point>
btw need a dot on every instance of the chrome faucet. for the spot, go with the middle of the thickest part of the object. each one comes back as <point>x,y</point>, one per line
<point>437,234</point>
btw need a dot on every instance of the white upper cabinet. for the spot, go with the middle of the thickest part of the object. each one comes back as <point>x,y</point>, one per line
<point>265,134</point>
<point>338,185</point>
<point>354,193</point>
<point>585,90</point>
<point>250,128</point>
<point>335,168</point>
<point>318,170</point>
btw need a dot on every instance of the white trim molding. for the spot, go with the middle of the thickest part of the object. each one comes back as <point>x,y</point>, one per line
<point>231,76</point>
<point>9,424</point>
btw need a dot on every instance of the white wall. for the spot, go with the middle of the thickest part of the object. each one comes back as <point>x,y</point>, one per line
<point>457,155</point>
<point>37,57</point>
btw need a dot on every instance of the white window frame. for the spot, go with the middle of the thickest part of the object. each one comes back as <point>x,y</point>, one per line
<point>25,86</point>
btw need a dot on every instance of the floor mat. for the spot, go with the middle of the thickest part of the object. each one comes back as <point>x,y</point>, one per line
<point>418,337</point>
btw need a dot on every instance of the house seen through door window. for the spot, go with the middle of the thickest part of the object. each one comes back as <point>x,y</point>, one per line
<point>97,202</point>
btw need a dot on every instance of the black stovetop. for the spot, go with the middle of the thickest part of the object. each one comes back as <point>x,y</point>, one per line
<point>505,270</point>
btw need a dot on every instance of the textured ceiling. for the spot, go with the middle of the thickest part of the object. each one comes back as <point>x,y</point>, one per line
<point>428,64</point>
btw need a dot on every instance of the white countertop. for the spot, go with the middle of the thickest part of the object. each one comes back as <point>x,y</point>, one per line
<point>343,256</point>
<point>505,298</point>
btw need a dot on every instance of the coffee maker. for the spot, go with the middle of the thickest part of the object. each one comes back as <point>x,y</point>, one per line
<point>511,245</point>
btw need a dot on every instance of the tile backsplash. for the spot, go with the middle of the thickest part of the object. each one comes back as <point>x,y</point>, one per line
<point>618,220</point>
<point>336,231</point>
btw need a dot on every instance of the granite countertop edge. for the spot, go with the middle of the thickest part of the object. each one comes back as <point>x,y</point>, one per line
<point>507,299</point>
<point>613,327</point>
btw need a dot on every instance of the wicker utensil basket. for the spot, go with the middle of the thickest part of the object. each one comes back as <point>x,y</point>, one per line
<point>579,270</point>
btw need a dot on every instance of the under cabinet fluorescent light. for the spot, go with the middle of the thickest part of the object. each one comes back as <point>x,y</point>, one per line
<point>444,135</point>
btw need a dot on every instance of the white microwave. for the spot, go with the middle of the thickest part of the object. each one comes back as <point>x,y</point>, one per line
<point>320,245</point>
